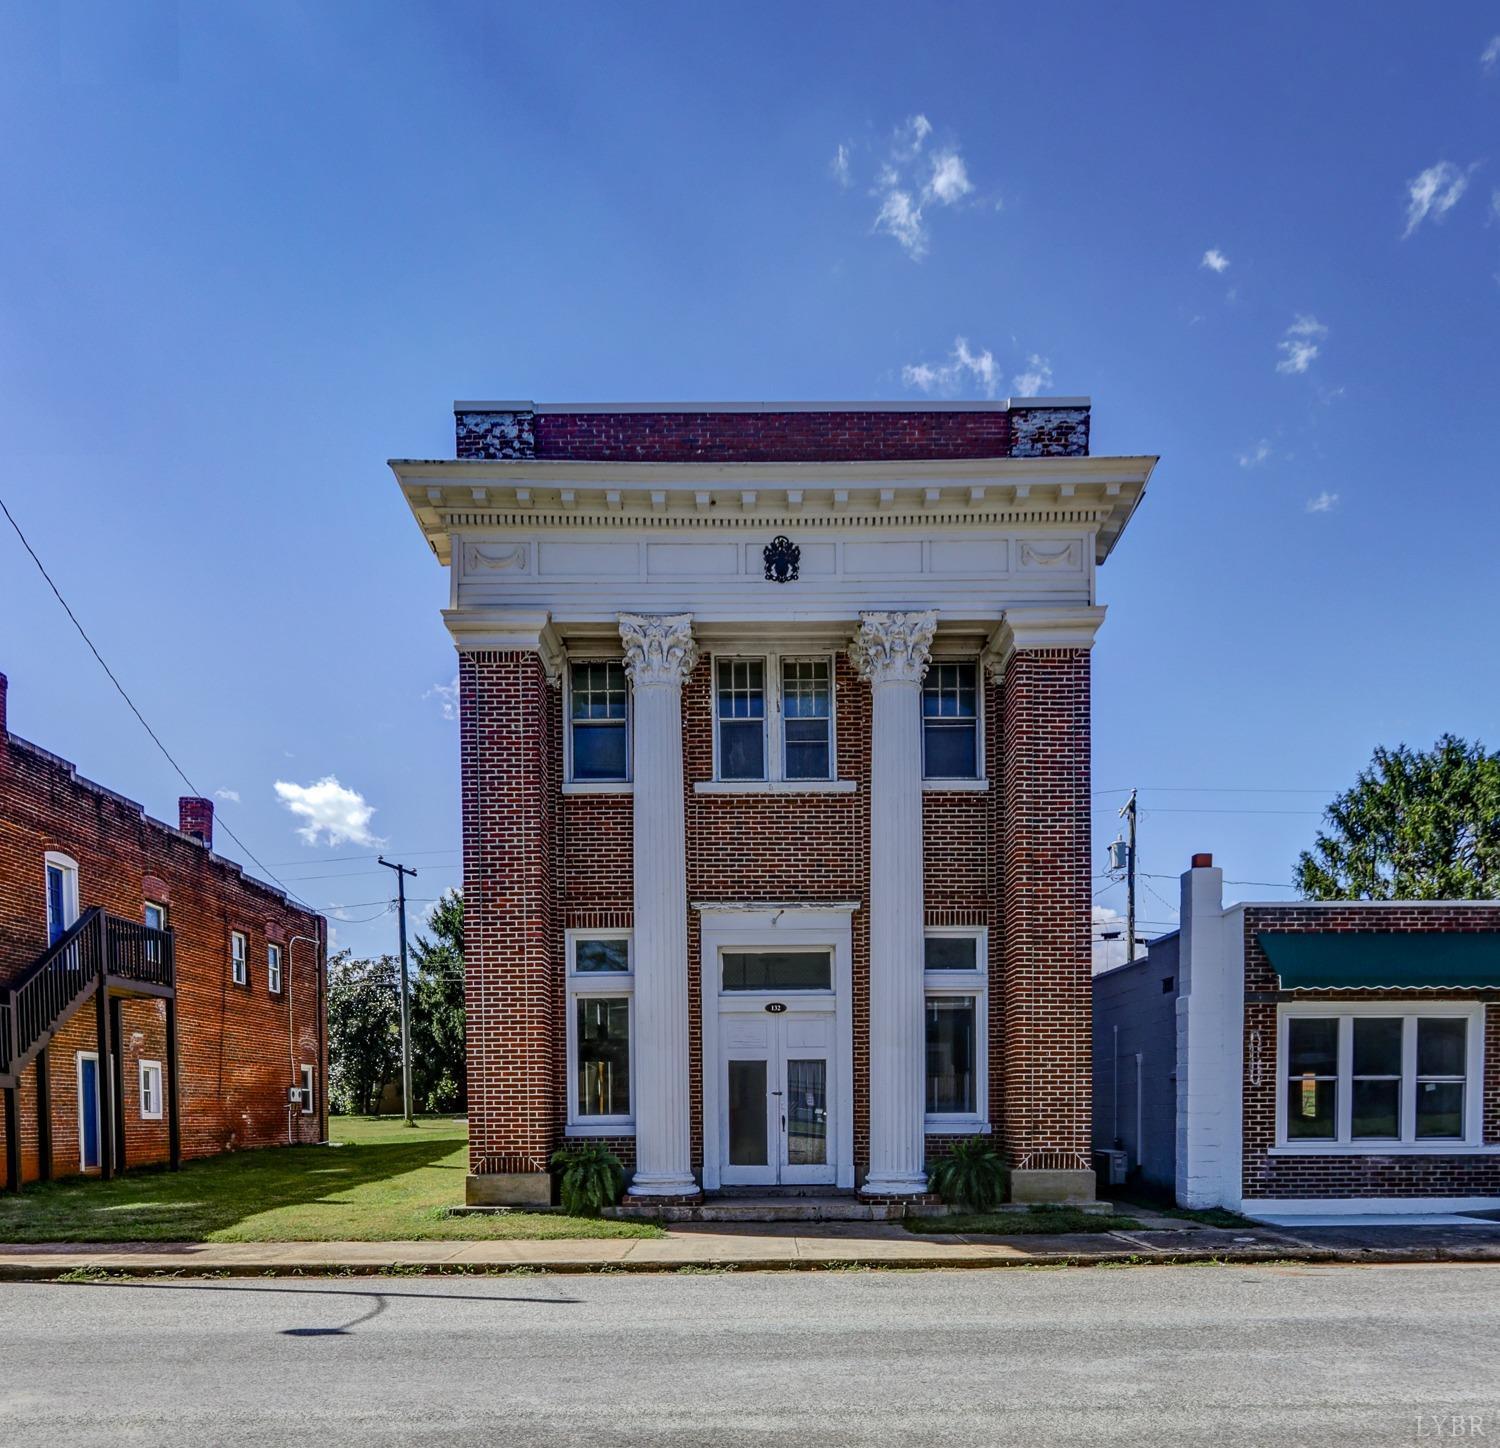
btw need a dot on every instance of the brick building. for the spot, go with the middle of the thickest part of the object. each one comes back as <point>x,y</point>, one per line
<point>1297,1059</point>
<point>775,768</point>
<point>127,942</point>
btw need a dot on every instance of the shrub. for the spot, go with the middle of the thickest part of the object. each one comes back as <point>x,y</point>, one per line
<point>590,1178</point>
<point>972,1176</point>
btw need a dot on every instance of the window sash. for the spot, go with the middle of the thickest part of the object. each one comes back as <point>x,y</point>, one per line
<point>150,1095</point>
<point>273,968</point>
<point>598,710</point>
<point>239,958</point>
<point>970,983</point>
<point>308,1084</point>
<point>951,709</point>
<point>773,717</point>
<point>1461,1099</point>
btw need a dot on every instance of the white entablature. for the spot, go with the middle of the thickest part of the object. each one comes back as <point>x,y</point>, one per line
<point>576,541</point>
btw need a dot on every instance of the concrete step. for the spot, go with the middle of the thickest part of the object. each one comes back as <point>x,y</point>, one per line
<point>764,1209</point>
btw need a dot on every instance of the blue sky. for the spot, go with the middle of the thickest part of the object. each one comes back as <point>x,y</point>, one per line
<point>252,251</point>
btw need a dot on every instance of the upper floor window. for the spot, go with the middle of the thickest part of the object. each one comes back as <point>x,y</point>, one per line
<point>273,969</point>
<point>156,919</point>
<point>950,721</point>
<point>62,894</point>
<point>598,721</point>
<point>773,718</point>
<point>239,957</point>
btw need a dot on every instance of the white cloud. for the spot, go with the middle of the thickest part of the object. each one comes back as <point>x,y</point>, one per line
<point>1325,502</point>
<point>963,365</point>
<point>229,796</point>
<point>1256,455</point>
<point>329,812</point>
<point>1434,192</point>
<point>840,167</point>
<point>1300,345</point>
<point>1034,380</point>
<point>1215,260</point>
<point>447,695</point>
<point>909,183</point>
<point>1490,55</point>
<point>900,217</point>
<point>949,181</point>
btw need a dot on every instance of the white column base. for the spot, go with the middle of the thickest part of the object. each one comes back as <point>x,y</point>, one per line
<point>912,1184</point>
<point>662,1185</point>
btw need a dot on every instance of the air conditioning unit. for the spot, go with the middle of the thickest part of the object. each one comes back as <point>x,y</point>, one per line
<point>1111,1167</point>
<point>294,1095</point>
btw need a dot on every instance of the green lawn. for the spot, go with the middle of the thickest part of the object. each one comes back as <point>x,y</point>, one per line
<point>383,1182</point>
<point>1020,1224</point>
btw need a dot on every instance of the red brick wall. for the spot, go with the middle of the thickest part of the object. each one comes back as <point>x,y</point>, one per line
<point>1366,1175</point>
<point>234,1047</point>
<point>1043,969</point>
<point>771,436</point>
<point>512,930</point>
<point>812,847</point>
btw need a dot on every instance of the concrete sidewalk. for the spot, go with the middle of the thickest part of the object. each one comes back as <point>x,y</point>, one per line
<point>770,1247</point>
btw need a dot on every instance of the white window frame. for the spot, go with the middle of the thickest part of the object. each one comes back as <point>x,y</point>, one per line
<point>772,730</point>
<point>56,860</point>
<point>1408,1144</point>
<point>275,961</point>
<point>596,786</point>
<point>580,986</point>
<point>309,1077</point>
<point>979,780</point>
<point>975,983</point>
<point>239,965</point>
<point>150,1077</point>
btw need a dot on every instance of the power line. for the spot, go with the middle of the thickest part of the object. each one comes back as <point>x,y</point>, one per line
<point>120,688</point>
<point>346,859</point>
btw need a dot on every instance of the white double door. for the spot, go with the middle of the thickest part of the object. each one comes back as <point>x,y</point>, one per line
<point>776,1088</point>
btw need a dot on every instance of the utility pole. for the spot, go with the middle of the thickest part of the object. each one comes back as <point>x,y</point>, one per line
<point>1128,812</point>
<point>402,872</point>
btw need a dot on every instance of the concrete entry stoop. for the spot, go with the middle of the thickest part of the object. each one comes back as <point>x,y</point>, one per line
<point>808,1206</point>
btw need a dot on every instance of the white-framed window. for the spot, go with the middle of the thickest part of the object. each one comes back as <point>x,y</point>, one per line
<point>155,917</point>
<point>597,739</point>
<point>61,876</point>
<point>1379,1077</point>
<point>952,720</point>
<point>150,1073</point>
<point>956,982</point>
<point>601,1031</point>
<point>309,1077</point>
<point>773,717</point>
<point>239,957</point>
<point>273,969</point>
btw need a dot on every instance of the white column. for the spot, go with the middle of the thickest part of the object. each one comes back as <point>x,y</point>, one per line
<point>659,655</point>
<point>891,651</point>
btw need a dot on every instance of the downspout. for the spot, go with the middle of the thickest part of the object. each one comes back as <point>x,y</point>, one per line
<point>291,1043</point>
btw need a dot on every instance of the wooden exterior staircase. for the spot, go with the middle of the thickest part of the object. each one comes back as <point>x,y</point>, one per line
<point>103,958</point>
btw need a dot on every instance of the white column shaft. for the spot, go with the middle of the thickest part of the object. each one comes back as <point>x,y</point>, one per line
<point>658,655</point>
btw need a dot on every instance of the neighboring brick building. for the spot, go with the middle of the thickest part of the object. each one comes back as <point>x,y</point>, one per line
<point>1317,1056</point>
<point>128,942</point>
<point>765,708</point>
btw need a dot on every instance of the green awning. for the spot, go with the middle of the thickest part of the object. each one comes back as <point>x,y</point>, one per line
<point>1384,960</point>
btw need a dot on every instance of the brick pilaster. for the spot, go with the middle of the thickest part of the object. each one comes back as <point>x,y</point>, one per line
<point>510,794</point>
<point>1043,970</point>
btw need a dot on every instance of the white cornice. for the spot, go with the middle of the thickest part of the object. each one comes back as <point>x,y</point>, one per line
<point>508,629</point>
<point>447,496</point>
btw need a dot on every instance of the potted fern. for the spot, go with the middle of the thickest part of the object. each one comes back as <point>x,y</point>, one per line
<point>973,1175</point>
<point>590,1178</point>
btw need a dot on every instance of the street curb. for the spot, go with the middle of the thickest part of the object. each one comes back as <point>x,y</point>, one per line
<point>44,1272</point>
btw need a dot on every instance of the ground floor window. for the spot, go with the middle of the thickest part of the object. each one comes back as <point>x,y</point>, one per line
<point>308,1078</point>
<point>1376,1075</point>
<point>956,980</point>
<point>601,992</point>
<point>150,1090</point>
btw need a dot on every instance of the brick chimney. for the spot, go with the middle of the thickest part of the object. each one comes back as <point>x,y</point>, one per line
<point>196,817</point>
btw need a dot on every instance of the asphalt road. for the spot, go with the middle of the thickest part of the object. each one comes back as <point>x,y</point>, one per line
<point>1296,1354</point>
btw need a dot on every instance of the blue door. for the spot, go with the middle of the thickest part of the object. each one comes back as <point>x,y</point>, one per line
<point>88,1109</point>
<point>57,908</point>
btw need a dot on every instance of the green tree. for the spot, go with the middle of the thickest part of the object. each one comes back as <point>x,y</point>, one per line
<point>438,1063</point>
<point>364,1030</point>
<point>1415,826</point>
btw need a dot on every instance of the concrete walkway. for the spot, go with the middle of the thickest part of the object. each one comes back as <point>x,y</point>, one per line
<point>767,1247</point>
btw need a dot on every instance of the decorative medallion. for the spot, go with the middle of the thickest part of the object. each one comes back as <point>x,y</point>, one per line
<point>782,557</point>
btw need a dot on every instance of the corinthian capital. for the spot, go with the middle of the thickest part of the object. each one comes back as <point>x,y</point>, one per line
<point>659,647</point>
<point>893,647</point>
